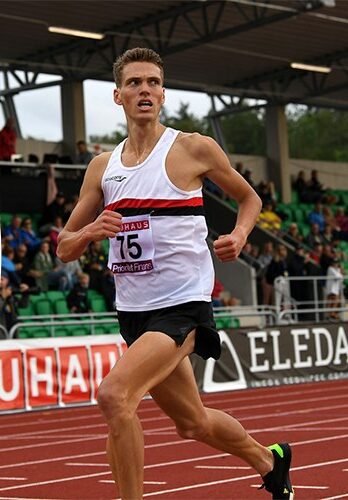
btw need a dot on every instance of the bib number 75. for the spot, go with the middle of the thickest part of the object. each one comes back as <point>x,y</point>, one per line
<point>128,244</point>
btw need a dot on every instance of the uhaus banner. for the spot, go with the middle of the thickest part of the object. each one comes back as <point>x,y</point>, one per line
<point>63,372</point>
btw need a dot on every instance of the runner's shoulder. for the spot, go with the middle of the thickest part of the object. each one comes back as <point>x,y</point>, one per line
<point>196,144</point>
<point>98,164</point>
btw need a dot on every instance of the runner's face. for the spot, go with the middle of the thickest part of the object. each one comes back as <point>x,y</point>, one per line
<point>141,92</point>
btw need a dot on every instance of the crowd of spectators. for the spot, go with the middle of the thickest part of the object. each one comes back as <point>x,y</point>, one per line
<point>29,264</point>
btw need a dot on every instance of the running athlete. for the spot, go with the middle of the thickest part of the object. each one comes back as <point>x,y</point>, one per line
<point>150,188</point>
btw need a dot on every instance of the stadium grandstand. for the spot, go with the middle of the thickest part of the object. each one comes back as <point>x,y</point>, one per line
<point>282,308</point>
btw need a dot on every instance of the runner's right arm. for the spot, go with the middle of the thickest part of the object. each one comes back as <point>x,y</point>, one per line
<point>83,225</point>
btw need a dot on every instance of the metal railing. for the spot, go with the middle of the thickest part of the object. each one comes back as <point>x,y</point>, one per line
<point>316,305</point>
<point>54,321</point>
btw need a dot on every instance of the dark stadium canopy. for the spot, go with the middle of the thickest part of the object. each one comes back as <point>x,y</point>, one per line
<point>240,48</point>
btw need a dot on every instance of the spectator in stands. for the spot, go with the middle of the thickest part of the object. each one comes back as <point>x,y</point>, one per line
<point>317,189</point>
<point>314,236</point>
<point>299,266</point>
<point>23,263</point>
<point>316,253</point>
<point>293,236</point>
<point>329,217</point>
<point>326,258</point>
<point>12,233</point>
<point>7,263</point>
<point>266,191</point>
<point>78,301</point>
<point>83,156</point>
<point>45,271</point>
<point>240,168</point>
<point>247,177</point>
<point>8,139</point>
<point>327,235</point>
<point>334,283</point>
<point>55,209</point>
<point>54,232</point>
<point>108,289</point>
<point>69,206</point>
<point>9,302</point>
<point>300,186</point>
<point>268,219</point>
<point>341,228</point>
<point>277,267</point>
<point>72,271</point>
<point>314,185</point>
<point>265,257</point>
<point>218,288</point>
<point>97,149</point>
<point>29,236</point>
<point>94,263</point>
<point>316,216</point>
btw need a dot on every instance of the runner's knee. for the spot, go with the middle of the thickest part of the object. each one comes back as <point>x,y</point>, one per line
<point>114,402</point>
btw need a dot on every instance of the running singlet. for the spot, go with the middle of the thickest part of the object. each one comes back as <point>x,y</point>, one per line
<point>160,258</point>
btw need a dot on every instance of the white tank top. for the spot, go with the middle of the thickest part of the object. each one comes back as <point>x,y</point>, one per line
<point>160,258</point>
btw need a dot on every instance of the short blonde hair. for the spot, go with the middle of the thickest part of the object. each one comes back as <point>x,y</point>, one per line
<point>138,54</point>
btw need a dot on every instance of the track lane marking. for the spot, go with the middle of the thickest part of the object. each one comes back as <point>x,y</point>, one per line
<point>241,418</point>
<point>177,462</point>
<point>93,408</point>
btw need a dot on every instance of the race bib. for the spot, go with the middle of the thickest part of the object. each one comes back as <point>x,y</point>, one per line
<point>132,248</point>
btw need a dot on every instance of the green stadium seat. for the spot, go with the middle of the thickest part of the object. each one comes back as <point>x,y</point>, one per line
<point>43,307</point>
<point>61,307</point>
<point>54,295</point>
<point>98,304</point>
<point>26,311</point>
<point>78,330</point>
<point>33,332</point>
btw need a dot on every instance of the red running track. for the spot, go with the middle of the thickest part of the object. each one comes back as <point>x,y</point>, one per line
<point>59,454</point>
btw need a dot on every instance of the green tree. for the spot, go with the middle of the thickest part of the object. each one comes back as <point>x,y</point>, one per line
<point>245,132</point>
<point>318,134</point>
<point>114,138</point>
<point>184,120</point>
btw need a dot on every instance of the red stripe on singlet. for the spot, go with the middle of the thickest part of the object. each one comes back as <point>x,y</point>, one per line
<point>154,203</point>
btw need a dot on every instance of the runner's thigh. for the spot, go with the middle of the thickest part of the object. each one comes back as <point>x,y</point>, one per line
<point>146,363</point>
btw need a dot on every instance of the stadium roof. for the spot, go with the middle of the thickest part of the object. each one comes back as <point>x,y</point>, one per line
<point>240,48</point>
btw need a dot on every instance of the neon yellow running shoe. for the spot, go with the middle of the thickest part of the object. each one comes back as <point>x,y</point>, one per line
<point>278,481</point>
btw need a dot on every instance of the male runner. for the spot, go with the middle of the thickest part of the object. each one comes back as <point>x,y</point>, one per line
<point>151,189</point>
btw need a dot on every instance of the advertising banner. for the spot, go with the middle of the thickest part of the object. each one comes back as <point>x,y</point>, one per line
<point>275,356</point>
<point>55,372</point>
<point>63,372</point>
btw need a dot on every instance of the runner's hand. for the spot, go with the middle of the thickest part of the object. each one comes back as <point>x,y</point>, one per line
<point>106,225</point>
<point>228,246</point>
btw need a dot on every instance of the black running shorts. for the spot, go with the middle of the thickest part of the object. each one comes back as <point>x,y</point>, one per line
<point>176,322</point>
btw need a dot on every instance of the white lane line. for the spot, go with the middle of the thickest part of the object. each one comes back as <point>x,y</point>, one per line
<point>93,410</point>
<point>27,498</point>
<point>270,415</point>
<point>241,478</point>
<point>175,462</point>
<point>234,409</point>
<point>85,464</point>
<point>70,457</point>
<point>155,482</point>
<point>345,495</point>
<point>221,467</point>
<point>2,478</point>
<point>299,487</point>
<point>97,474</point>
